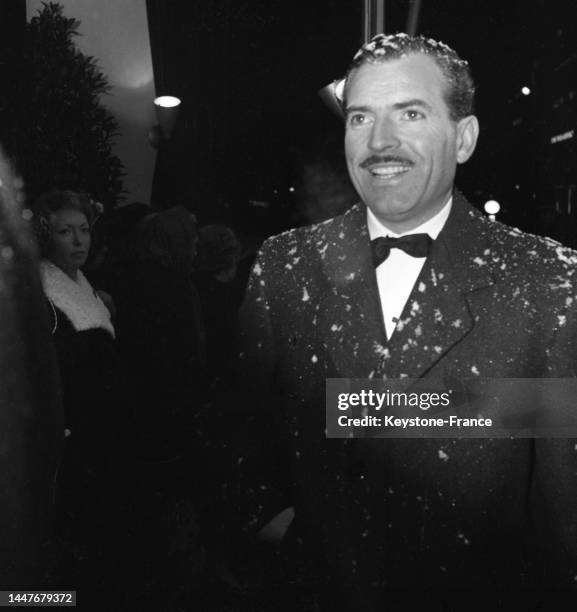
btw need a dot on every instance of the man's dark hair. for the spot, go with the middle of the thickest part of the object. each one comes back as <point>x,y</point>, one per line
<point>460,91</point>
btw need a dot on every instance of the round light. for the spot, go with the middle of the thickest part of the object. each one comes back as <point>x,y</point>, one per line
<point>492,207</point>
<point>525,91</point>
<point>167,101</point>
<point>291,189</point>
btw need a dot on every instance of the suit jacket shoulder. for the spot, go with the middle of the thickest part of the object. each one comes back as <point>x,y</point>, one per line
<point>313,240</point>
<point>513,251</point>
<point>508,249</point>
<point>319,280</point>
<point>530,273</point>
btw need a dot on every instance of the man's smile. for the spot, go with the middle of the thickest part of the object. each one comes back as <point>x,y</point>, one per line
<point>388,171</point>
<point>386,167</point>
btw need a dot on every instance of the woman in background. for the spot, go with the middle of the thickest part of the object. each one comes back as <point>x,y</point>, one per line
<point>89,482</point>
<point>81,323</point>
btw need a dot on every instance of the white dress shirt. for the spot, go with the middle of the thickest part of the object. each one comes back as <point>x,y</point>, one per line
<point>397,275</point>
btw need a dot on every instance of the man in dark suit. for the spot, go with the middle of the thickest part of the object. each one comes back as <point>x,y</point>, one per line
<point>393,521</point>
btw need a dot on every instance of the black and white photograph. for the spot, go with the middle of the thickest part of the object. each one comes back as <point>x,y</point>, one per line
<point>287,305</point>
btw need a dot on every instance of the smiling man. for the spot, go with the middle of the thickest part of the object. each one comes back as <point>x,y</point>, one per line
<point>401,142</point>
<point>411,282</point>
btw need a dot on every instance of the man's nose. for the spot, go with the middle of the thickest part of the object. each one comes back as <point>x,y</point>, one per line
<point>384,135</point>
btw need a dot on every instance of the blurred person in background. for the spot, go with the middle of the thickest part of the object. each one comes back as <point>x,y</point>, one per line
<point>160,329</point>
<point>31,419</point>
<point>221,294</point>
<point>160,335</point>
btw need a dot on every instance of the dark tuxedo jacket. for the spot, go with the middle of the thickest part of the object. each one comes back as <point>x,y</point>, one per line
<point>411,514</point>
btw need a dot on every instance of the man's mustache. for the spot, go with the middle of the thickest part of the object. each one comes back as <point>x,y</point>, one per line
<point>385,159</point>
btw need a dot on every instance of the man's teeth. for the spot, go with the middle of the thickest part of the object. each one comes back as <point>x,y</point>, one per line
<point>389,170</point>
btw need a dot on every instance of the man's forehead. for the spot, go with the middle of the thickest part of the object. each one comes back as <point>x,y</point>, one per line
<point>415,73</point>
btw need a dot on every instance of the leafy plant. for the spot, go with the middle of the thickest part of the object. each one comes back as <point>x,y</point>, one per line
<point>59,133</point>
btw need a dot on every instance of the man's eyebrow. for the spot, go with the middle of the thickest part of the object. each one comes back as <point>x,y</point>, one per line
<point>414,102</point>
<point>397,106</point>
<point>357,109</point>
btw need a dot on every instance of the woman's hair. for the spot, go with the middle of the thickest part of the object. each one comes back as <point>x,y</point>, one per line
<point>218,248</point>
<point>54,201</point>
<point>168,237</point>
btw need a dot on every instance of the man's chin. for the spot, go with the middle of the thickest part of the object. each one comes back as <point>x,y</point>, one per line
<point>391,212</point>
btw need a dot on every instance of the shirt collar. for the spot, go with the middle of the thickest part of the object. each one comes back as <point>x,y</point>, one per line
<point>432,227</point>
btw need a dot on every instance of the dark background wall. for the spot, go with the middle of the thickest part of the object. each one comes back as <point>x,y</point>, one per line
<point>248,73</point>
<point>12,24</point>
<point>253,125</point>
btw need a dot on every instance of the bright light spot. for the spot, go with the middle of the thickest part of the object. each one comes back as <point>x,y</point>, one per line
<point>167,101</point>
<point>561,137</point>
<point>339,89</point>
<point>492,207</point>
<point>525,90</point>
<point>291,189</point>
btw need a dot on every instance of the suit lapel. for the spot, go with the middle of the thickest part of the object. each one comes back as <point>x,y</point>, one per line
<point>439,313</point>
<point>350,314</point>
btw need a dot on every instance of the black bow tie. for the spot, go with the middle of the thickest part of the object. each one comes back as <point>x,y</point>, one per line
<point>415,245</point>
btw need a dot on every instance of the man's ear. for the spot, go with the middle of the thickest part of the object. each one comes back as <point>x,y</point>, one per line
<point>467,134</point>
